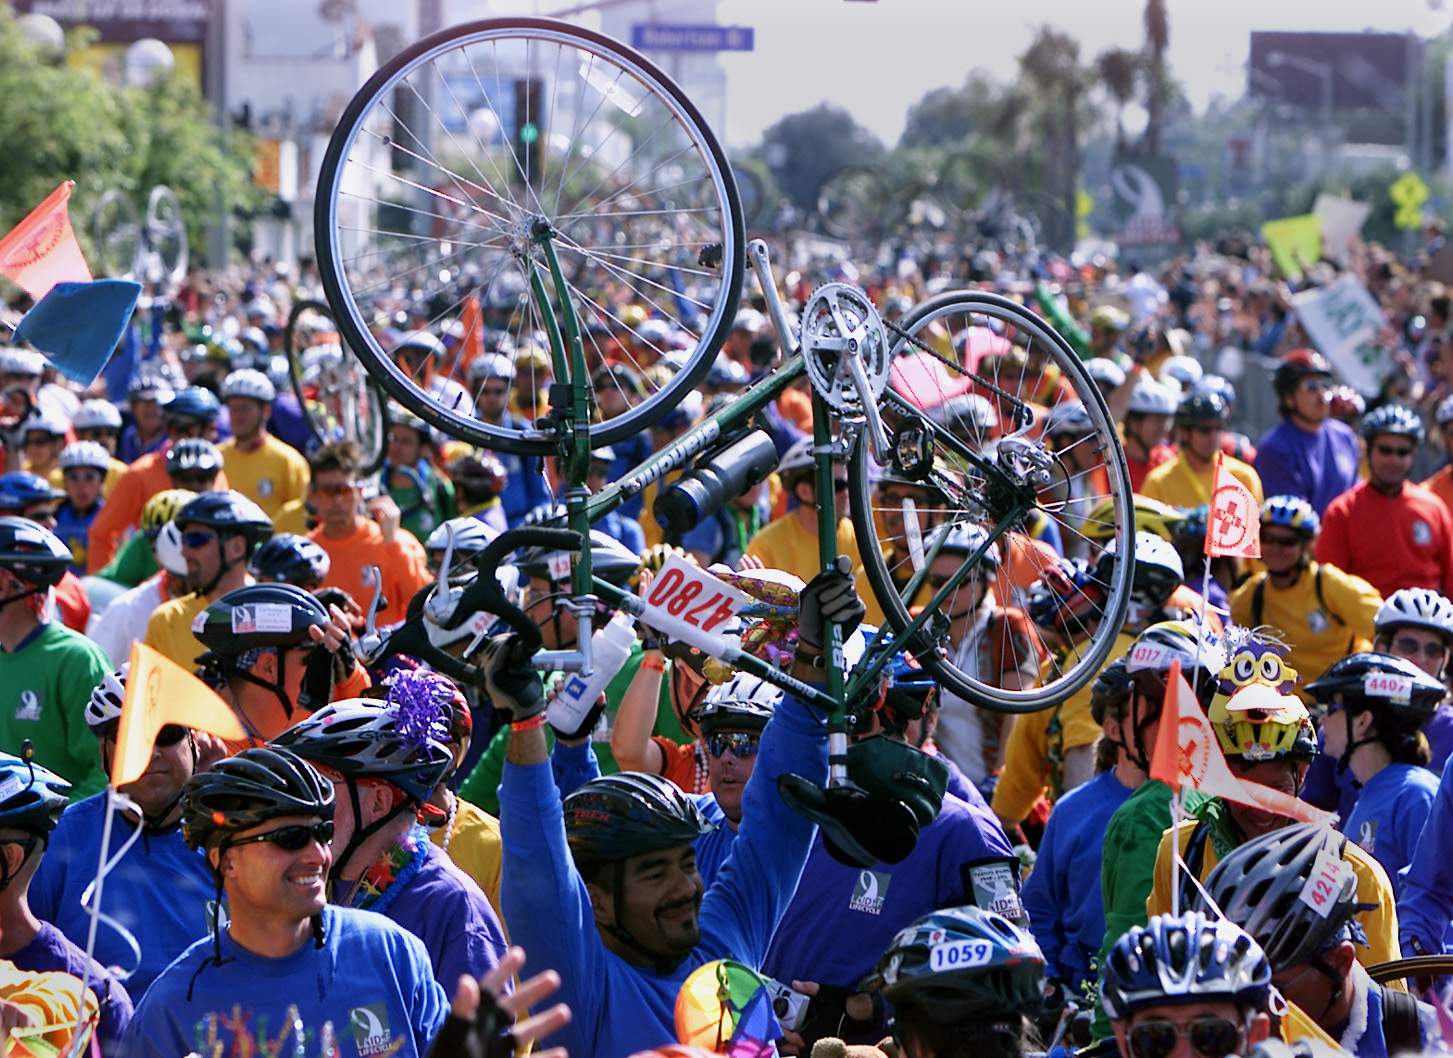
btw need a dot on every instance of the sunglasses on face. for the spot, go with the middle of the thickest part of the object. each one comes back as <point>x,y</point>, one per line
<point>1211,1037</point>
<point>195,482</point>
<point>197,538</point>
<point>293,838</point>
<point>82,475</point>
<point>741,744</point>
<point>1273,540</point>
<point>38,440</point>
<point>1412,648</point>
<point>169,735</point>
<point>334,491</point>
<point>1396,453</point>
<point>1315,385</point>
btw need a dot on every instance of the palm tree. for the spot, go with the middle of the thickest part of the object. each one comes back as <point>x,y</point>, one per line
<point>1119,71</point>
<point>1157,39</point>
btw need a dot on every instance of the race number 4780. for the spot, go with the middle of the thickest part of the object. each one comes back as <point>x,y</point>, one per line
<point>693,596</point>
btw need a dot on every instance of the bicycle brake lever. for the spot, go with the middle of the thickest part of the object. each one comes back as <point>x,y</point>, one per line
<point>440,604</point>
<point>371,644</point>
<point>369,625</point>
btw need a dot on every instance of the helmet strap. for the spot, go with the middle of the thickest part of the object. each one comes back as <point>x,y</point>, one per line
<point>362,833</point>
<point>277,687</point>
<point>623,935</point>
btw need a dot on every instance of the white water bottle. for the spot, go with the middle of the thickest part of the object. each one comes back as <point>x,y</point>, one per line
<point>610,646</point>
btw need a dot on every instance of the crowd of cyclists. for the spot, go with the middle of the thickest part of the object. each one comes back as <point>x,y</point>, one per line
<point>393,862</point>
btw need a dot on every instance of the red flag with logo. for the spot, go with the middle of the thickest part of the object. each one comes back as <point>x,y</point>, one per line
<point>41,250</point>
<point>1188,754</point>
<point>1233,526</point>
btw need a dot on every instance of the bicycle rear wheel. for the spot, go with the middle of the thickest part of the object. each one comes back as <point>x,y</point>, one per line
<point>338,398</point>
<point>969,368</point>
<point>440,175</point>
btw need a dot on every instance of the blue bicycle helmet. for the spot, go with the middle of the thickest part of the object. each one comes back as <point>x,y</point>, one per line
<point>1291,512</point>
<point>288,558</point>
<point>966,968</point>
<point>194,402</point>
<point>1185,958</point>
<point>1396,420</point>
<point>37,797</point>
<point>23,489</point>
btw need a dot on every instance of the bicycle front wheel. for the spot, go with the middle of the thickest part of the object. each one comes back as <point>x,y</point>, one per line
<point>975,377</point>
<point>463,154</point>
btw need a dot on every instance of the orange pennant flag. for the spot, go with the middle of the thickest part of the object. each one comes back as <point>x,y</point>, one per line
<point>1188,754</point>
<point>1233,526</point>
<point>41,250</point>
<point>161,692</point>
<point>471,323</point>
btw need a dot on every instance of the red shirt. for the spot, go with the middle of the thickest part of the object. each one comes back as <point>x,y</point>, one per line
<point>1392,542</point>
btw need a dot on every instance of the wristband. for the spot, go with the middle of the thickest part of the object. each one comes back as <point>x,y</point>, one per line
<point>538,720</point>
<point>812,661</point>
<point>653,663</point>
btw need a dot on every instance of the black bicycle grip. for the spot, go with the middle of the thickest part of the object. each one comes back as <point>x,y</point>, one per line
<point>487,595</point>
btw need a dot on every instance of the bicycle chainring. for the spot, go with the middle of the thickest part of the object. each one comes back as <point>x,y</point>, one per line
<point>838,318</point>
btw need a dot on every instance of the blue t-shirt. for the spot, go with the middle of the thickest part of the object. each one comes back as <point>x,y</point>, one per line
<point>620,1008</point>
<point>842,919</point>
<point>371,981</point>
<point>1425,904</point>
<point>1062,894</point>
<point>1390,814</point>
<point>160,891</point>
<point>446,909</point>
<point>72,526</point>
<point>1317,465</point>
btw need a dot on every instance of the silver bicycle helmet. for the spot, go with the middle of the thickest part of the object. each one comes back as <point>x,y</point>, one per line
<point>1416,608</point>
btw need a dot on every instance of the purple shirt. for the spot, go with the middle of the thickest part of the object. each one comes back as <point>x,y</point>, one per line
<point>1317,465</point>
<point>446,909</point>
<point>50,951</point>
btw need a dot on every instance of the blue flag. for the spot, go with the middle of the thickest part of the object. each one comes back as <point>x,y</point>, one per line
<point>77,325</point>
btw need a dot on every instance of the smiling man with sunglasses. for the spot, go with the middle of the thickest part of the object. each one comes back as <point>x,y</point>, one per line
<point>1185,986</point>
<point>264,821</point>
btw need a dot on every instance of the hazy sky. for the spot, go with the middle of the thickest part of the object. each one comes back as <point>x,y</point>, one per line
<point>877,57</point>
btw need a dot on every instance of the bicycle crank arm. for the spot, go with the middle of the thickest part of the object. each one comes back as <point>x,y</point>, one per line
<point>762,266</point>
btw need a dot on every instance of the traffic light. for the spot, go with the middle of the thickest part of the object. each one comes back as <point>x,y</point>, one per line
<point>528,134</point>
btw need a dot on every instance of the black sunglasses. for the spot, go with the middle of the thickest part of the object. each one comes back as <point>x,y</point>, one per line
<point>1211,1037</point>
<point>742,744</point>
<point>293,838</point>
<point>169,735</point>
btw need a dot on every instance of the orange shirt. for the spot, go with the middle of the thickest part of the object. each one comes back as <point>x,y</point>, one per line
<point>122,509</point>
<point>1441,485</point>
<point>401,562</point>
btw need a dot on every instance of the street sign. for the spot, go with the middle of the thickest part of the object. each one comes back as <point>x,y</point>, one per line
<point>651,36</point>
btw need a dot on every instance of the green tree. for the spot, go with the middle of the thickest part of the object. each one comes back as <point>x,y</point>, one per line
<point>1157,87</point>
<point>1119,72</point>
<point>803,148</point>
<point>1051,68</point>
<point>65,123</point>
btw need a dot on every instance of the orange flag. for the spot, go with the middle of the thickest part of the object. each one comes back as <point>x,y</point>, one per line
<point>471,322</point>
<point>160,692</point>
<point>1233,526</point>
<point>1188,754</point>
<point>41,250</point>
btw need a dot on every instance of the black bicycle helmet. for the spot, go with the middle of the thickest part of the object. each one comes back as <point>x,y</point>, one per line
<point>288,558</point>
<point>1200,406</point>
<point>966,968</point>
<point>1259,886</point>
<point>610,560</point>
<point>241,792</point>
<point>1111,687</point>
<point>1392,686</point>
<point>615,817</point>
<point>1185,958</point>
<point>22,489</point>
<point>1396,420</point>
<point>194,402</point>
<point>230,513</point>
<point>32,553</point>
<point>364,738</point>
<point>259,615</point>
<point>37,799</point>
<point>193,454</point>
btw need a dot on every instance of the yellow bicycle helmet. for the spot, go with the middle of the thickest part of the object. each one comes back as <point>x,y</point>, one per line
<point>162,508</point>
<point>1151,516</point>
<point>1259,723</point>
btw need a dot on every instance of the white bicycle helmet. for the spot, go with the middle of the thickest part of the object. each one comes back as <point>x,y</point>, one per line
<point>97,415</point>
<point>1445,411</point>
<point>1151,398</point>
<point>1419,608</point>
<point>91,454</point>
<point>105,704</point>
<point>249,383</point>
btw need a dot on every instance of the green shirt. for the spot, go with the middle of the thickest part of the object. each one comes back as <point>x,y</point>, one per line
<point>44,689</point>
<point>482,786</point>
<point>133,563</point>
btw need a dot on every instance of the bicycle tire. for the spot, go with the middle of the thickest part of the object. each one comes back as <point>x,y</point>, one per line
<point>943,324</point>
<point>116,233</point>
<point>850,202</point>
<point>166,234</point>
<point>639,194</point>
<point>373,442</point>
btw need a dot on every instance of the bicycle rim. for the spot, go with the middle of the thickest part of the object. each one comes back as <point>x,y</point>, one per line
<point>116,234</point>
<point>339,400</point>
<point>933,393</point>
<point>439,172</point>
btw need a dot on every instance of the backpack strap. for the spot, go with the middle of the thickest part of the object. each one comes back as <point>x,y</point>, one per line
<point>1258,600</point>
<point>1400,1027</point>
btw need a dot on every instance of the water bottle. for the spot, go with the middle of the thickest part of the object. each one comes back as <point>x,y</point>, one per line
<point>610,646</point>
